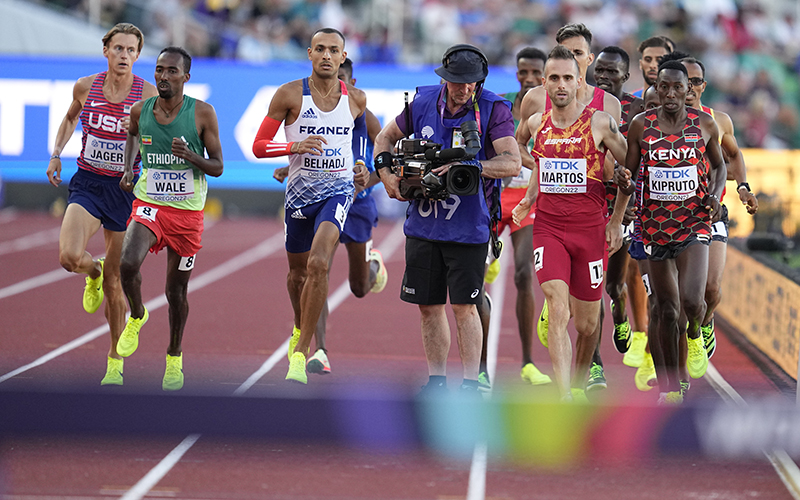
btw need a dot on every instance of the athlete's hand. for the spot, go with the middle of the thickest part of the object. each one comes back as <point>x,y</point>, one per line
<point>360,175</point>
<point>613,237</point>
<point>54,171</point>
<point>622,178</point>
<point>749,200</point>
<point>280,174</point>
<point>311,145</point>
<point>392,185</point>
<point>180,148</point>
<point>125,123</point>
<point>126,182</point>
<point>630,215</point>
<point>522,210</point>
<point>714,208</point>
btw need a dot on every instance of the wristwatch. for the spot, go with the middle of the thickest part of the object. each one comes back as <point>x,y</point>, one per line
<point>744,185</point>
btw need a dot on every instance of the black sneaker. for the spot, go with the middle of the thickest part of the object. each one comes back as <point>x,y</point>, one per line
<point>597,379</point>
<point>433,390</point>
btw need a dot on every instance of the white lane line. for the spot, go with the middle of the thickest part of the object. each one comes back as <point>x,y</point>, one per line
<point>31,241</point>
<point>784,466</point>
<point>158,472</point>
<point>476,487</point>
<point>244,259</point>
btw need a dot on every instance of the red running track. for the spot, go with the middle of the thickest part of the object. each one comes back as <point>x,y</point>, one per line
<point>237,321</point>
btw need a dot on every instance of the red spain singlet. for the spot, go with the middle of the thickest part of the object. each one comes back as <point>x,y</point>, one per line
<point>103,146</point>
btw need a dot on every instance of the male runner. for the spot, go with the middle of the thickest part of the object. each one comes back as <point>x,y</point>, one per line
<point>320,113</point>
<point>171,131</point>
<point>102,102</point>
<point>680,202</point>
<point>570,144</point>
<point>651,51</point>
<point>367,270</point>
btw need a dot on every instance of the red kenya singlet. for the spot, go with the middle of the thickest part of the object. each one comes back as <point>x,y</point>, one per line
<point>675,182</point>
<point>103,136</point>
<point>570,168</point>
<point>611,188</point>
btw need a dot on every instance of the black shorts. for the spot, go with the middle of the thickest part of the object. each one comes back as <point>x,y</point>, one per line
<point>658,253</point>
<point>102,197</point>
<point>433,267</point>
<point>719,230</point>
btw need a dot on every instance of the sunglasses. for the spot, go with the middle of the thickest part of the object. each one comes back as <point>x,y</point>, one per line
<point>696,81</point>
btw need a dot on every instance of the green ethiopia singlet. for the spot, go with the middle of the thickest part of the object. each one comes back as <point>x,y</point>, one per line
<point>166,179</point>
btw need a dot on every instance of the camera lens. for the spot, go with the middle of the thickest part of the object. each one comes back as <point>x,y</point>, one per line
<point>463,180</point>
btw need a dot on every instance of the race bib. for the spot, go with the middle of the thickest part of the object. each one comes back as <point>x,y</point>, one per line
<point>596,273</point>
<point>627,232</point>
<point>170,185</point>
<point>105,154</point>
<point>673,184</point>
<point>538,255</point>
<point>522,180</point>
<point>186,263</point>
<point>562,176</point>
<point>719,229</point>
<point>147,213</point>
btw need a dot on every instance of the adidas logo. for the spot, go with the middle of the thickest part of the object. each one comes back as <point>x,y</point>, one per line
<point>298,214</point>
<point>308,114</point>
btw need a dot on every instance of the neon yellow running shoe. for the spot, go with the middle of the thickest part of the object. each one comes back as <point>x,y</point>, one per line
<point>635,355</point>
<point>293,340</point>
<point>645,377</point>
<point>382,277</point>
<point>697,361</point>
<point>484,385</point>
<point>670,398</point>
<point>533,376</point>
<point>297,368</point>
<point>579,396</point>
<point>492,272</point>
<point>113,372</point>
<point>173,375</point>
<point>543,324</point>
<point>129,340</point>
<point>709,338</point>
<point>93,291</point>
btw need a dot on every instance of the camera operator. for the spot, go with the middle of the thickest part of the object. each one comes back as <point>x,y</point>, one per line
<point>446,239</point>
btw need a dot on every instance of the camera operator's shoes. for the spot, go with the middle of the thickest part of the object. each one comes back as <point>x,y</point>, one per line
<point>297,368</point>
<point>173,375</point>
<point>533,376</point>
<point>382,276</point>
<point>93,291</point>
<point>492,272</point>
<point>318,363</point>
<point>113,372</point>
<point>543,324</point>
<point>129,339</point>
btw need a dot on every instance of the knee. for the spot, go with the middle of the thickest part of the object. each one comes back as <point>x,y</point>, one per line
<point>127,269</point>
<point>614,290</point>
<point>586,326</point>
<point>523,277</point>
<point>317,267</point>
<point>713,294</point>
<point>669,313</point>
<point>69,261</point>
<point>360,290</point>
<point>176,293</point>
<point>694,307</point>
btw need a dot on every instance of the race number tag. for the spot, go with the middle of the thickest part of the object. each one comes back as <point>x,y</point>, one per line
<point>147,213</point>
<point>562,176</point>
<point>627,232</point>
<point>341,215</point>
<point>646,281</point>
<point>170,185</point>
<point>186,263</point>
<point>105,154</point>
<point>673,184</point>
<point>538,255</point>
<point>596,273</point>
<point>719,229</point>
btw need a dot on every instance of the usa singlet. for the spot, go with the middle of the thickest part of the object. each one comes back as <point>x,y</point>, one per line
<point>103,139</point>
<point>570,168</point>
<point>315,178</point>
<point>674,183</point>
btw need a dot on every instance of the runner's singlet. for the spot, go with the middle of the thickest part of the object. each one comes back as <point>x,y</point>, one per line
<point>710,111</point>
<point>675,182</point>
<point>315,178</point>
<point>166,179</point>
<point>626,102</point>
<point>103,139</point>
<point>524,178</point>
<point>570,168</point>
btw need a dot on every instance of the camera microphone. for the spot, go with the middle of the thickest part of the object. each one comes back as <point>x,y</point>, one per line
<point>445,155</point>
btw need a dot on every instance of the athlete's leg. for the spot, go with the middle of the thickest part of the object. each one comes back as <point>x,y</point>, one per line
<point>616,275</point>
<point>637,295</point>
<point>176,290</point>
<point>596,358</point>
<point>692,266</point>
<point>295,280</point>
<point>363,271</point>
<point>137,242</point>
<point>556,293</point>
<point>322,324</point>
<point>112,288</point>
<point>664,338</point>
<point>522,240</point>
<point>717,255</point>
<point>77,227</point>
<point>586,315</point>
<point>435,337</point>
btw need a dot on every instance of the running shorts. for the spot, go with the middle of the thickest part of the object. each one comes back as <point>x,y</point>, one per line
<point>658,253</point>
<point>361,218</point>
<point>102,197</point>
<point>434,267</point>
<point>176,228</point>
<point>719,230</point>
<point>301,224</point>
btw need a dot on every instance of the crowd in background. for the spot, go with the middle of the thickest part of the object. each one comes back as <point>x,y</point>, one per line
<point>750,48</point>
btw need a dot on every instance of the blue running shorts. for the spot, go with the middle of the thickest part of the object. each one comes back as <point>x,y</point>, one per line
<point>102,197</point>
<point>301,223</point>
<point>361,218</point>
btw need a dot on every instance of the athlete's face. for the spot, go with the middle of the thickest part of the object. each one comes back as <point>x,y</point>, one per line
<point>458,94</point>
<point>561,81</point>
<point>648,63</point>
<point>326,54</point>
<point>698,84</point>
<point>345,77</point>
<point>609,72</point>
<point>529,73</point>
<point>122,51</point>
<point>672,86</point>
<point>170,75</point>
<point>582,52</point>
<point>651,98</point>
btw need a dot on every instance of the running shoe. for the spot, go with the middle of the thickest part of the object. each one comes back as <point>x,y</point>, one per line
<point>382,276</point>
<point>433,390</point>
<point>697,361</point>
<point>670,398</point>
<point>113,372</point>
<point>597,379</point>
<point>579,396</point>
<point>129,340</point>
<point>93,291</point>
<point>173,375</point>
<point>492,272</point>
<point>645,377</point>
<point>488,300</point>
<point>685,386</point>
<point>297,368</point>
<point>635,355</point>
<point>483,382</point>
<point>622,334</point>
<point>293,340</point>
<point>709,338</point>
<point>533,376</point>
<point>318,363</point>
<point>543,324</point>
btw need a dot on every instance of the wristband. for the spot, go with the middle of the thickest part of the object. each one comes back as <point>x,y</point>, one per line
<point>55,157</point>
<point>744,185</point>
<point>383,160</point>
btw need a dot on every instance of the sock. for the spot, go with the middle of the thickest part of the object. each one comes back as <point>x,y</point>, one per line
<point>437,380</point>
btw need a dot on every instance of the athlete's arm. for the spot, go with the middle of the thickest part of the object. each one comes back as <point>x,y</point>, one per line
<point>524,206</point>
<point>532,103</point>
<point>625,177</point>
<point>523,137</point>
<point>283,108</point>
<point>79,94</point>
<point>131,148</point>
<point>611,106</point>
<point>206,123</point>
<point>735,162</point>
<point>384,143</point>
<point>613,141</point>
<point>717,171</point>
